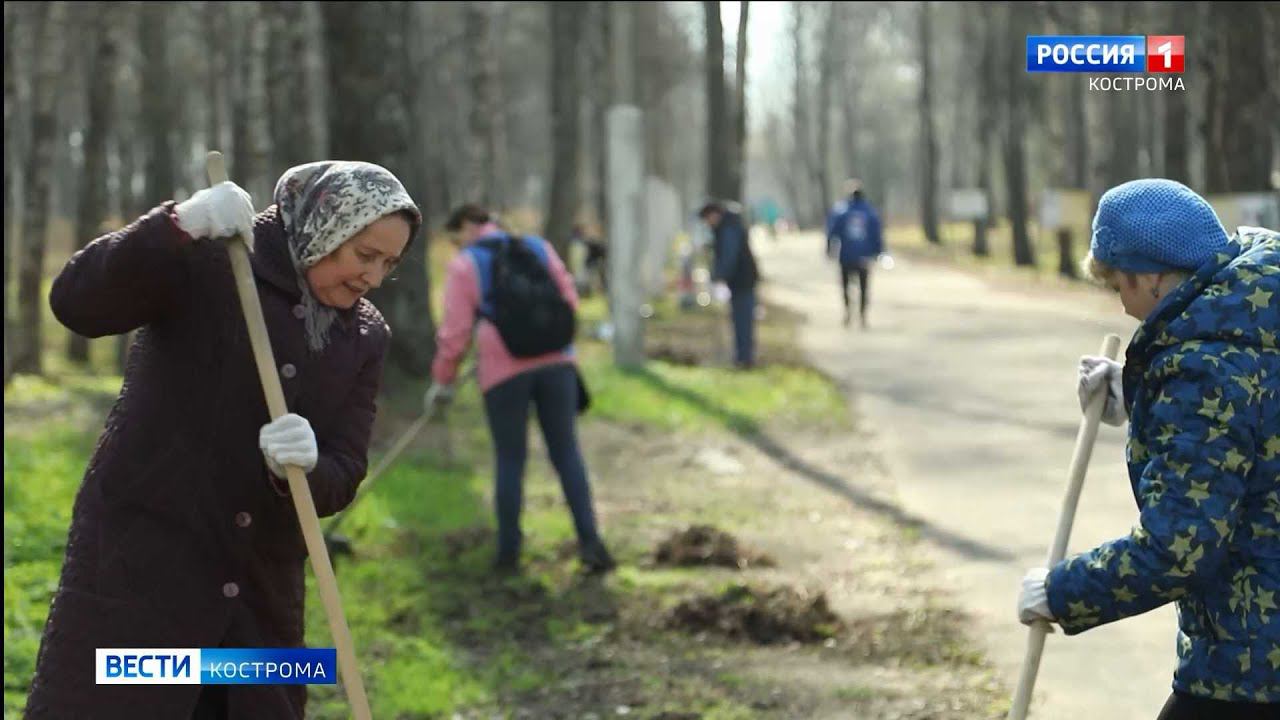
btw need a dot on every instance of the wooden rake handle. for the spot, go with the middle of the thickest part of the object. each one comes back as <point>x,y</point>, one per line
<point>299,490</point>
<point>1079,466</point>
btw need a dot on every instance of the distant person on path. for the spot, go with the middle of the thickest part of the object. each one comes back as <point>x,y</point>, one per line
<point>854,240</point>
<point>1200,388</point>
<point>513,377</point>
<point>735,275</point>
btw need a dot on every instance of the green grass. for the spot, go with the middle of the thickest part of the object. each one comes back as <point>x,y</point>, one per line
<point>435,631</point>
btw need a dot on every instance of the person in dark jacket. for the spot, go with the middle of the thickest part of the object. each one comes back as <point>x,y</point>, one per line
<point>735,275</point>
<point>183,533</point>
<point>1198,389</point>
<point>855,240</point>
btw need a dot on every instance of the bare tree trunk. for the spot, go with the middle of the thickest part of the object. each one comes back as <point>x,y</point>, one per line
<point>247,76</point>
<point>990,100</point>
<point>92,208</point>
<point>1015,131</point>
<point>929,152</point>
<point>215,18</point>
<point>359,38</point>
<point>603,96</point>
<point>1241,121</point>
<point>484,181</point>
<point>157,103</point>
<point>1079,137</point>
<point>1271,58</point>
<point>801,120</point>
<point>566,23</point>
<point>826,79</point>
<point>37,171</point>
<point>718,181</point>
<point>738,169</point>
<point>10,149</point>
<point>849,110</point>
<point>289,100</point>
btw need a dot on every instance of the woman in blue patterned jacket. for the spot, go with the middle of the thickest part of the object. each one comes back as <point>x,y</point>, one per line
<point>1200,387</point>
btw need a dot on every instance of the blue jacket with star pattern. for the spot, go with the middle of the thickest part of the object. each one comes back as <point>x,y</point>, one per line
<point>1202,383</point>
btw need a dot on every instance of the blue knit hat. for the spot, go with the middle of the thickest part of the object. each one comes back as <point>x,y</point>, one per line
<point>1156,225</point>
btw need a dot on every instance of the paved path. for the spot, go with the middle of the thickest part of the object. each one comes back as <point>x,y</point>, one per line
<point>971,389</point>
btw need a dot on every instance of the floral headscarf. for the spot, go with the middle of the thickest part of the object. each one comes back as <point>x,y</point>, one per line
<point>322,205</point>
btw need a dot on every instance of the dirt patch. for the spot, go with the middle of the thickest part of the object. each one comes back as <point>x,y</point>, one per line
<point>674,355</point>
<point>761,615</point>
<point>458,542</point>
<point>704,545</point>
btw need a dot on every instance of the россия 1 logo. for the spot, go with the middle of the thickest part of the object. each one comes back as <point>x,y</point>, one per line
<point>1106,53</point>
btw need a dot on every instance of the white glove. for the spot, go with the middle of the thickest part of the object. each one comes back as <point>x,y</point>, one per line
<point>438,395</point>
<point>1096,371</point>
<point>721,293</point>
<point>1033,602</point>
<point>223,210</point>
<point>288,440</point>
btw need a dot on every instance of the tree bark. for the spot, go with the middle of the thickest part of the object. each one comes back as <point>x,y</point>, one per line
<point>289,100</point>
<point>826,79</point>
<point>11,21</point>
<point>718,181</point>
<point>738,169</point>
<point>92,206</point>
<point>1014,152</point>
<point>929,140</point>
<point>805,212</point>
<point>359,37</point>
<point>484,121</point>
<point>37,173</point>
<point>156,104</point>
<point>566,22</point>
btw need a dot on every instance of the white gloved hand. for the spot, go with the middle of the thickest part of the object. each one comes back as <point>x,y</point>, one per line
<point>288,440</point>
<point>438,395</point>
<point>221,211</point>
<point>1033,601</point>
<point>1095,371</point>
<point>720,291</point>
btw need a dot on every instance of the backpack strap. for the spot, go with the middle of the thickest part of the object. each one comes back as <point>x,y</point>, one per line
<point>482,253</point>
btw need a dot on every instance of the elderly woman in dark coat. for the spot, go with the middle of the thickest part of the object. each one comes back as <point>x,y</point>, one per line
<point>183,533</point>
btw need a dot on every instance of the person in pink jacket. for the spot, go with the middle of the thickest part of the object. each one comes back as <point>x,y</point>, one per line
<point>510,385</point>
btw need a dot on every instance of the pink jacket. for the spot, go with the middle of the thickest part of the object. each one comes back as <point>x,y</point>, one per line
<point>461,316</point>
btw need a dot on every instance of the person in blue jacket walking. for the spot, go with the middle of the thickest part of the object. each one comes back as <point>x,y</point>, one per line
<point>1200,388</point>
<point>854,238</point>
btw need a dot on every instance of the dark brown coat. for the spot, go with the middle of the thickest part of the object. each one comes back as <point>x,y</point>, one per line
<point>179,537</point>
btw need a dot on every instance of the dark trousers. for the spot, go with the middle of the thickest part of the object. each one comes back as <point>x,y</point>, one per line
<point>554,391</point>
<point>742,306</point>
<point>864,284</point>
<point>1190,707</point>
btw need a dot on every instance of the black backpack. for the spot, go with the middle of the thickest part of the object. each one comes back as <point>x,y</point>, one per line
<point>521,299</point>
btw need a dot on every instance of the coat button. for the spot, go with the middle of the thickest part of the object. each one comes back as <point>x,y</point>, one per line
<point>243,519</point>
<point>230,590</point>
<point>288,371</point>
<point>299,311</point>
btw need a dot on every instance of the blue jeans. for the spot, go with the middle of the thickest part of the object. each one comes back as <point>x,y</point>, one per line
<point>742,304</point>
<point>554,390</point>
